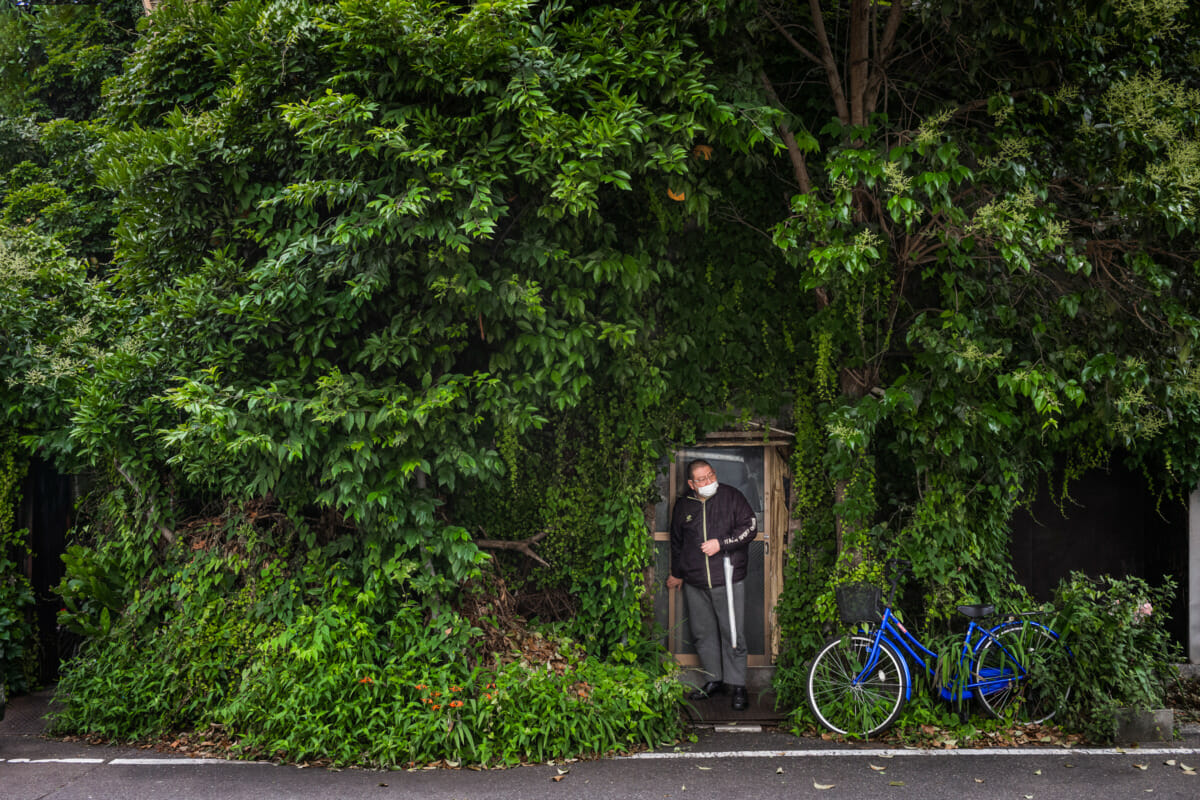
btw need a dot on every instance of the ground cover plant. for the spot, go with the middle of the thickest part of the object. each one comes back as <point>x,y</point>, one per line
<point>310,660</point>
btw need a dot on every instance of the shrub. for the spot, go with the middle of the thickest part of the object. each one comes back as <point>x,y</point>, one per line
<point>1122,654</point>
<point>348,677</point>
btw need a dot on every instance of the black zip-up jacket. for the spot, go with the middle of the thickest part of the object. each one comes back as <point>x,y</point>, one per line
<point>726,517</point>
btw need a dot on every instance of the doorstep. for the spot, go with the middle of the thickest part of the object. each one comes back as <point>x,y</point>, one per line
<point>717,711</point>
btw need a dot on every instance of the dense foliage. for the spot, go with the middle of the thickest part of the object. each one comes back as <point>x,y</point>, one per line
<point>1000,296</point>
<point>316,659</point>
<point>328,293</point>
<point>17,658</point>
<point>1121,655</point>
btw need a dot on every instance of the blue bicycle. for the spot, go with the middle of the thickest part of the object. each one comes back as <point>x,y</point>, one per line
<point>858,683</point>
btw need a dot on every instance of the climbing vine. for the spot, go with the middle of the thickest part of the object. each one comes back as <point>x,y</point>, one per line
<point>16,594</point>
<point>585,482</point>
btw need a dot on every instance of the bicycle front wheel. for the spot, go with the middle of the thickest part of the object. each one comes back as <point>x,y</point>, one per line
<point>852,692</point>
<point>1010,669</point>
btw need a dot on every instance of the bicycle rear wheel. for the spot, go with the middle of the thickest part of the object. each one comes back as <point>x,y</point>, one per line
<point>1010,672</point>
<point>849,698</point>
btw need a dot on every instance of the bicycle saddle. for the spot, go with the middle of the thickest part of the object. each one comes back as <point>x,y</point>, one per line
<point>976,612</point>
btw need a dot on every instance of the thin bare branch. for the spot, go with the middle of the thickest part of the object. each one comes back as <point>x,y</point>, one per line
<point>799,166</point>
<point>883,55</point>
<point>827,61</point>
<point>801,49</point>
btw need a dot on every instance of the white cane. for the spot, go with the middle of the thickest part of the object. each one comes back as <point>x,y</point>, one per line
<point>729,602</point>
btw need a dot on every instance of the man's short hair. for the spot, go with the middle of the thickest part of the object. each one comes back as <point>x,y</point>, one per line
<point>693,464</point>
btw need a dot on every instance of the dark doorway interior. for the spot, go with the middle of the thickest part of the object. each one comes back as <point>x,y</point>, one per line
<point>1111,524</point>
<point>47,510</point>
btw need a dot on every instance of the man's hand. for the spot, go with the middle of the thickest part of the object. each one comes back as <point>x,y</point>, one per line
<point>710,547</point>
<point>673,582</point>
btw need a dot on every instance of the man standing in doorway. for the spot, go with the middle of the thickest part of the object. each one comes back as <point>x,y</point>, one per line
<point>711,523</point>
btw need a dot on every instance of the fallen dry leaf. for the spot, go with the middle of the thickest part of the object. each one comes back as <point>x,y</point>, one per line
<point>779,770</point>
<point>557,778</point>
<point>876,768</point>
<point>820,785</point>
<point>1142,766</point>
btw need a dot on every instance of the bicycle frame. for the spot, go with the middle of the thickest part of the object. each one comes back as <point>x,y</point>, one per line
<point>910,649</point>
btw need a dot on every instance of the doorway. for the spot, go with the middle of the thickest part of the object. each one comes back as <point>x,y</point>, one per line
<point>757,468</point>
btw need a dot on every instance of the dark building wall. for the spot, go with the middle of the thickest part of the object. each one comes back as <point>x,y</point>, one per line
<point>1112,524</point>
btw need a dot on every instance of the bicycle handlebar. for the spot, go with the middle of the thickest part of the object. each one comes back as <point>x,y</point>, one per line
<point>899,566</point>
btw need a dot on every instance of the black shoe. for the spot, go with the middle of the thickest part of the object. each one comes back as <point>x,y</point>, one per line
<point>707,690</point>
<point>740,700</point>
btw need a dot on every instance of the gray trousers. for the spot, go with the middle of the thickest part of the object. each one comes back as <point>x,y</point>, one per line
<point>708,618</point>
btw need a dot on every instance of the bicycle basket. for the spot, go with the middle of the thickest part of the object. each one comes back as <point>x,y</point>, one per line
<point>858,602</point>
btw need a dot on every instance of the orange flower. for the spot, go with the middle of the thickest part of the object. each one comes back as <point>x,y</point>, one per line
<point>420,686</point>
<point>436,706</point>
<point>456,688</point>
<point>702,151</point>
<point>678,197</point>
<point>437,694</point>
<point>366,680</point>
<point>455,703</point>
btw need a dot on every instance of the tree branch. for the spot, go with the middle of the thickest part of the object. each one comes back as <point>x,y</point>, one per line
<point>523,546</point>
<point>828,62</point>
<point>799,166</point>
<point>166,532</point>
<point>804,51</point>
<point>860,53</point>
<point>883,55</point>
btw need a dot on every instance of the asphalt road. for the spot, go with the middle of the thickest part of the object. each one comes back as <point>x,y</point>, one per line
<point>720,765</point>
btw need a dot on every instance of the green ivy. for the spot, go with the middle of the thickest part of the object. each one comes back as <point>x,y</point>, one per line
<point>585,482</point>
<point>17,633</point>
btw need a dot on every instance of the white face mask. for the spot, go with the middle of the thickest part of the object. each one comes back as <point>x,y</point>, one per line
<point>707,490</point>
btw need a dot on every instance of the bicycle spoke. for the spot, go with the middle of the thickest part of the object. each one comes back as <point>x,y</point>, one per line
<point>849,699</point>
<point>1002,670</point>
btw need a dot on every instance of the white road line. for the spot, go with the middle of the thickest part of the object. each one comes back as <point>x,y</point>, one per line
<point>663,755</point>
<point>132,762</point>
<point>170,762</point>
<point>51,760</point>
<point>998,751</point>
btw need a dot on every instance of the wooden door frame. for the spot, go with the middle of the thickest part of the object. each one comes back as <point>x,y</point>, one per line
<point>773,535</point>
